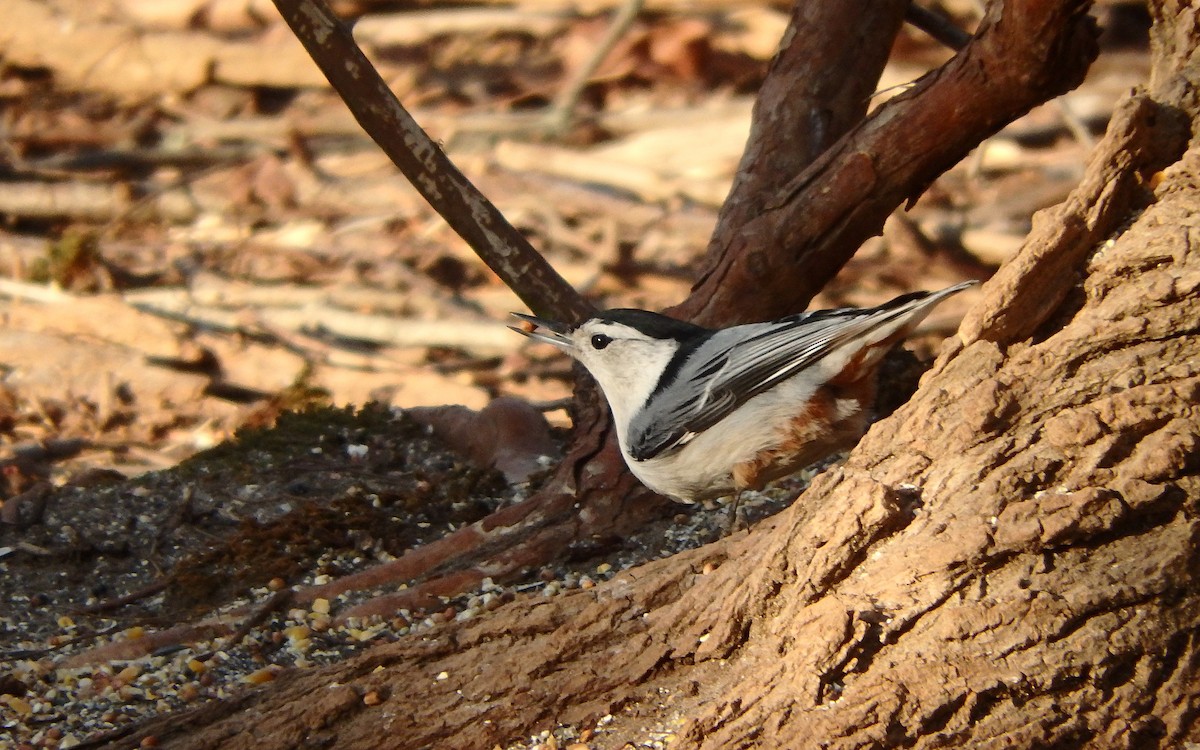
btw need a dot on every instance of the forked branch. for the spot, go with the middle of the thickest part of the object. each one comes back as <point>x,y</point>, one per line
<point>796,238</point>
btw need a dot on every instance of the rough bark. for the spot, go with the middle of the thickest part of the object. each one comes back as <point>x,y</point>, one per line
<point>1022,574</point>
<point>1010,560</point>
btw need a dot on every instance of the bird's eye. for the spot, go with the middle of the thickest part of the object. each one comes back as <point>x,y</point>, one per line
<point>599,341</point>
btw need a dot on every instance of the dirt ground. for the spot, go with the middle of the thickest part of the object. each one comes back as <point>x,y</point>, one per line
<point>224,313</point>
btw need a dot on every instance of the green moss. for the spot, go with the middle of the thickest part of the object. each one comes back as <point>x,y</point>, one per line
<point>68,257</point>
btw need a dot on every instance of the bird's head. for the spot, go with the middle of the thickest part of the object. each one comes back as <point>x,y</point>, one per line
<point>626,351</point>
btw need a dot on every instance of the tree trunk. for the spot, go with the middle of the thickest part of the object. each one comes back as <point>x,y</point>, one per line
<point>1010,560</point>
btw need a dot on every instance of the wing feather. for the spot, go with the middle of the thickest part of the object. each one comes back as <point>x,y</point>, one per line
<point>761,356</point>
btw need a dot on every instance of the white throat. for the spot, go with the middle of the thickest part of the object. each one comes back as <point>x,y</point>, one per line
<point>627,373</point>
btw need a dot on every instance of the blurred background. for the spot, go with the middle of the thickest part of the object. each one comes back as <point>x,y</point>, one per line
<point>196,235</point>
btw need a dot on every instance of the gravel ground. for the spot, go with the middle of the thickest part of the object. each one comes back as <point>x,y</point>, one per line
<point>224,537</point>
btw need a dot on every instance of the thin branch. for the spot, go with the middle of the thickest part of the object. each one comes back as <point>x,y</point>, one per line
<point>937,26</point>
<point>465,209</point>
<point>107,605</point>
<point>558,118</point>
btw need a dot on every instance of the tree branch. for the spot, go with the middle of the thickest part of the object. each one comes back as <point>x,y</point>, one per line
<point>465,209</point>
<point>796,239</point>
<point>938,26</point>
<point>817,89</point>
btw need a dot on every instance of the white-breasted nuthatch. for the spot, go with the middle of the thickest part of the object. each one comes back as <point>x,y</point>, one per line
<point>701,413</point>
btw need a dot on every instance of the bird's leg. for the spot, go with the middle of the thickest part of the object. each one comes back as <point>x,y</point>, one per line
<point>731,523</point>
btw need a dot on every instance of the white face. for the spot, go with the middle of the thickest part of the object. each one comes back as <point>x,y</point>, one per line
<point>625,362</point>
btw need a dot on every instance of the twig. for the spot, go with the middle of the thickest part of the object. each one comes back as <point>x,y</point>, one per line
<point>937,26</point>
<point>47,451</point>
<point>149,589</point>
<point>274,603</point>
<point>145,157</point>
<point>37,653</point>
<point>465,209</point>
<point>339,129</point>
<point>558,119</point>
<point>393,29</point>
<point>1074,122</point>
<point>325,320</point>
<point>88,201</point>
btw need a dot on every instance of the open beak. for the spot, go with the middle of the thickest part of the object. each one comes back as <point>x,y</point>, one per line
<point>551,332</point>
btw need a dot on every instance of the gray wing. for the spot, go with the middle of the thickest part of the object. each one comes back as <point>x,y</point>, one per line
<point>737,364</point>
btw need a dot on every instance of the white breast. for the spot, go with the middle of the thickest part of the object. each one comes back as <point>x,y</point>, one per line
<point>704,466</point>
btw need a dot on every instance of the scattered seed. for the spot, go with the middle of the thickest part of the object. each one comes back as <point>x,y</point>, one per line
<point>261,676</point>
<point>130,673</point>
<point>17,704</point>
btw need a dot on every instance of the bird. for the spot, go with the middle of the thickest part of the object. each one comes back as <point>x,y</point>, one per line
<point>703,413</point>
